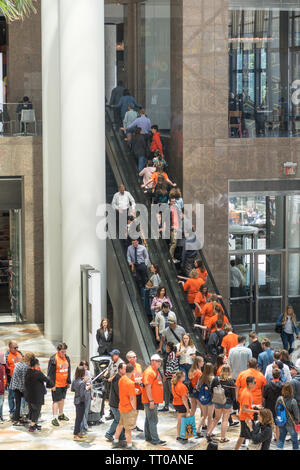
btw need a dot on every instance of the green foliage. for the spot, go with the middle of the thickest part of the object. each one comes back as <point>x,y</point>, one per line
<point>17,9</point>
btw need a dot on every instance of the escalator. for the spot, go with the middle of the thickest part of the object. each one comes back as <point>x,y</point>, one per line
<point>131,325</point>
<point>122,168</point>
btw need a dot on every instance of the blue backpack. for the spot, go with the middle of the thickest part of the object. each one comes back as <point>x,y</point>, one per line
<point>204,395</point>
<point>280,418</point>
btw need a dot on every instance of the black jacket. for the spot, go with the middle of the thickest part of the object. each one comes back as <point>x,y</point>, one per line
<point>52,369</point>
<point>139,146</point>
<point>262,434</point>
<point>34,386</point>
<point>214,343</point>
<point>296,387</point>
<point>271,392</point>
<point>114,392</point>
<point>104,345</point>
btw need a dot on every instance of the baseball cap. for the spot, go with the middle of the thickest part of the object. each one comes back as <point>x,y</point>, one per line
<point>155,357</point>
<point>293,366</point>
<point>171,318</point>
<point>114,351</point>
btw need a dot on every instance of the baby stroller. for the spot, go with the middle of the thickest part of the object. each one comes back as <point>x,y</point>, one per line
<point>96,412</point>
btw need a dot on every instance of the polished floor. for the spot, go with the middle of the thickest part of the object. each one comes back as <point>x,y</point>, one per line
<point>30,338</point>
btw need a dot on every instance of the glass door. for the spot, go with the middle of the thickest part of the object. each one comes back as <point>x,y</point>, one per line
<point>242,291</point>
<point>15,285</point>
<point>268,287</point>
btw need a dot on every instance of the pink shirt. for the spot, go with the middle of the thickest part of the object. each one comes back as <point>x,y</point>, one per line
<point>147,173</point>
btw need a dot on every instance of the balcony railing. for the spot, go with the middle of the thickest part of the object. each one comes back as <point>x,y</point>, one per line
<point>19,120</point>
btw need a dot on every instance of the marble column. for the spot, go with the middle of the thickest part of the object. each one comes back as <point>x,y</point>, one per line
<point>52,171</point>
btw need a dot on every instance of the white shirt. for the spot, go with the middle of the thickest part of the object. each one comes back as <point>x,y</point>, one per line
<point>185,358</point>
<point>286,371</point>
<point>236,277</point>
<point>288,327</point>
<point>123,201</point>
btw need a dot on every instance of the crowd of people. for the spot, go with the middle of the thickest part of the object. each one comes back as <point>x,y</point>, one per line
<point>236,383</point>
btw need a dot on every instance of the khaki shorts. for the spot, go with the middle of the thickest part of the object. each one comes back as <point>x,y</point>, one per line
<point>128,420</point>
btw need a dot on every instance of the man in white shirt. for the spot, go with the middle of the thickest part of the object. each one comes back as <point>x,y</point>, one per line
<point>124,204</point>
<point>236,280</point>
<point>239,357</point>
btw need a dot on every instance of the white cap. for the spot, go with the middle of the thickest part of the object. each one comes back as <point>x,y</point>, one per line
<point>156,357</point>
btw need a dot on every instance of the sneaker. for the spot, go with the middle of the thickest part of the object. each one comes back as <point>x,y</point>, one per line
<point>123,444</point>
<point>234,423</point>
<point>79,438</point>
<point>137,429</point>
<point>109,417</point>
<point>181,440</point>
<point>117,445</point>
<point>55,422</point>
<point>109,438</point>
<point>38,428</point>
<point>31,428</point>
<point>159,443</point>
<point>63,417</point>
<point>165,409</point>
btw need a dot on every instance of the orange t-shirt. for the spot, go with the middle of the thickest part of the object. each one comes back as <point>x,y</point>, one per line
<point>153,378</point>
<point>126,390</point>
<point>203,274</point>
<point>196,377</point>
<point>138,372</point>
<point>178,391</point>
<point>192,286</point>
<point>229,341</point>
<point>245,399</point>
<point>211,322</point>
<point>201,300</point>
<point>208,312</point>
<point>156,174</point>
<point>12,360</point>
<point>62,372</point>
<point>257,391</point>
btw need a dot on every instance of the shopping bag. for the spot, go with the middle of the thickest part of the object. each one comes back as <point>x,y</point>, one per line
<point>96,402</point>
<point>188,427</point>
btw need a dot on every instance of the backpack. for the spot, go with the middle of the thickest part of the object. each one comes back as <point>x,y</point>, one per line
<point>219,348</point>
<point>204,394</point>
<point>280,418</point>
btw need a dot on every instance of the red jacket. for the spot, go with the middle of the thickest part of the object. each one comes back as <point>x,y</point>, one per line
<point>156,143</point>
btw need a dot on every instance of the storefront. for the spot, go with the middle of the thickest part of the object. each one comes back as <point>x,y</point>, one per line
<point>264,249</point>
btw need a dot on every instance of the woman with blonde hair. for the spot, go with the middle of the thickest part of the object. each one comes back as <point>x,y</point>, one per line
<point>194,376</point>
<point>223,408</point>
<point>186,352</point>
<point>180,400</point>
<point>192,286</point>
<point>286,325</point>
<point>204,396</point>
<point>262,431</point>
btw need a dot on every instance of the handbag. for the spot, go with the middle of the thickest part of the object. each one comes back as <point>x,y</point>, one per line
<point>278,329</point>
<point>219,397</point>
<point>188,427</point>
<point>96,402</point>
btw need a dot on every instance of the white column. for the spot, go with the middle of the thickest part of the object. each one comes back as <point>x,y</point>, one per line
<point>83,152</point>
<point>110,59</point>
<point>51,170</point>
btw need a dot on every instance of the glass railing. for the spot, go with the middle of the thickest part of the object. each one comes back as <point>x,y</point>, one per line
<point>19,120</point>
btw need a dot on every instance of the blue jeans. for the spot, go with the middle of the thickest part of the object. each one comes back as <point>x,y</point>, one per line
<point>151,421</point>
<point>1,406</point>
<point>185,368</point>
<point>112,430</point>
<point>282,435</point>
<point>11,401</point>
<point>142,163</point>
<point>84,423</point>
<point>288,341</point>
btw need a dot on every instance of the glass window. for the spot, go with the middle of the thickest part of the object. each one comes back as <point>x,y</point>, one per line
<point>294,221</point>
<point>266,41</point>
<point>293,272</point>
<point>256,222</point>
